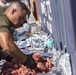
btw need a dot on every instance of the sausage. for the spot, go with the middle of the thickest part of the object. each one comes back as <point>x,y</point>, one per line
<point>41,66</point>
<point>37,57</point>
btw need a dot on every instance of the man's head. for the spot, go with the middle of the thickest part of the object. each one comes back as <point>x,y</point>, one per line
<point>16,12</point>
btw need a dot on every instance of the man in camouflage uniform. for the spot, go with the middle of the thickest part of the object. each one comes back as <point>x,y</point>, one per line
<point>8,20</point>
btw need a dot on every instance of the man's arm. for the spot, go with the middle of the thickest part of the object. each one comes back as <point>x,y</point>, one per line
<point>9,47</point>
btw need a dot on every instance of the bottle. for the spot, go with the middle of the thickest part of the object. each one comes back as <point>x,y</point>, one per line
<point>46,49</point>
<point>50,43</point>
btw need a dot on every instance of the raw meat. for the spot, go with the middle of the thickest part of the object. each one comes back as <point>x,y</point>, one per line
<point>17,68</point>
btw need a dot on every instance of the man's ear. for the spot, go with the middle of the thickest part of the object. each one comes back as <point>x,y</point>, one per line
<point>13,11</point>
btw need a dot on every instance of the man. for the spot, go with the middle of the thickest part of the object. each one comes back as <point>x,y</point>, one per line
<point>10,18</point>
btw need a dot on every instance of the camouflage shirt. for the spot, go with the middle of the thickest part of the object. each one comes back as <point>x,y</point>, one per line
<point>5,23</point>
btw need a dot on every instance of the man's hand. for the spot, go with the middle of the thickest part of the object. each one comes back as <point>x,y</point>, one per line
<point>30,62</point>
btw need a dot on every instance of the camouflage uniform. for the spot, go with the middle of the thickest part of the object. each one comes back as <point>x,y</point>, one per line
<point>5,23</point>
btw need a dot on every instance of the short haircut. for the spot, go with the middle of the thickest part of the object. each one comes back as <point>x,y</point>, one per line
<point>22,5</point>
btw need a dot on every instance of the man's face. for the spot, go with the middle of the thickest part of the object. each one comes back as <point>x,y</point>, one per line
<point>18,16</point>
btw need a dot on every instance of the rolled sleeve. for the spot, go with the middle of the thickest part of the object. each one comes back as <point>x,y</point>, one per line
<point>4,29</point>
